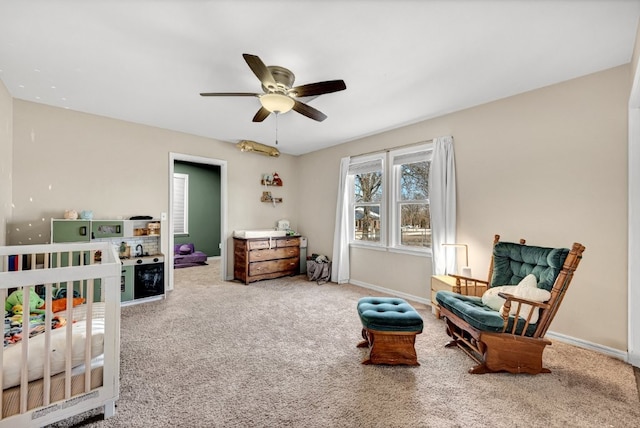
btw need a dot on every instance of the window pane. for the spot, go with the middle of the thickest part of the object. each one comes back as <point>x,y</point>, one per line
<point>413,181</point>
<point>368,187</point>
<point>367,219</point>
<point>416,225</point>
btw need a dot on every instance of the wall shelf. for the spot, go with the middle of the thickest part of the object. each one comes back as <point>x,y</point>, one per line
<point>266,197</point>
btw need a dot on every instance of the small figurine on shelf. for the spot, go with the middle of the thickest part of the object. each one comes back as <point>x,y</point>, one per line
<point>266,197</point>
<point>267,179</point>
<point>276,179</point>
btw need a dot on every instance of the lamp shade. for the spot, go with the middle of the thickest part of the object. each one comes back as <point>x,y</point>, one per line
<point>465,270</point>
<point>277,103</point>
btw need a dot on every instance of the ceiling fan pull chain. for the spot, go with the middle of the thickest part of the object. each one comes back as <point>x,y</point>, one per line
<point>276,113</point>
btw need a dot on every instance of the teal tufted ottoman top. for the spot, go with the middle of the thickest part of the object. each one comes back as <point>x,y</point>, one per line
<point>389,314</point>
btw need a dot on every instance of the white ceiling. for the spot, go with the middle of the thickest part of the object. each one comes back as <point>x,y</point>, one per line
<point>146,61</point>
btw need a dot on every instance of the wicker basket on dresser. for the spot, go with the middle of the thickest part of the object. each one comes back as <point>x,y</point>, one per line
<point>265,258</point>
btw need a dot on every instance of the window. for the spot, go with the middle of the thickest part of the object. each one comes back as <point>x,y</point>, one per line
<point>180,203</point>
<point>410,218</point>
<point>397,218</point>
<point>366,179</point>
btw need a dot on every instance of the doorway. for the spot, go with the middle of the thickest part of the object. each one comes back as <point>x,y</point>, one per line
<point>222,226</point>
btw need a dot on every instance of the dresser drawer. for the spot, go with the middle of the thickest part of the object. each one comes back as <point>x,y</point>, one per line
<point>257,245</point>
<point>288,242</point>
<point>282,265</point>
<point>275,253</point>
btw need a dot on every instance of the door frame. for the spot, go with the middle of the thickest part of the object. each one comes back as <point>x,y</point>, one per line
<point>633,298</point>
<point>173,157</point>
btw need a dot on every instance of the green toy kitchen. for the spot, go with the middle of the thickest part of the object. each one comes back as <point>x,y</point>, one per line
<point>137,241</point>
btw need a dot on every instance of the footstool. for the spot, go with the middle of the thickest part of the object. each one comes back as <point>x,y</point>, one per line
<point>389,329</point>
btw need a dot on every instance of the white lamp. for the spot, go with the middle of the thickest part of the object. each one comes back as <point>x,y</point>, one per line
<point>465,270</point>
<point>277,103</point>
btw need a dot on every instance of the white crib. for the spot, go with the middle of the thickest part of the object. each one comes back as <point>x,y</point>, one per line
<point>45,380</point>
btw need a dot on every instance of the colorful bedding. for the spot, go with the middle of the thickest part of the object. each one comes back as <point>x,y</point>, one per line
<point>13,326</point>
<point>13,351</point>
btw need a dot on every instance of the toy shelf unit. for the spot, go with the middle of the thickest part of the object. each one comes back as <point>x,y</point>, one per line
<point>270,180</point>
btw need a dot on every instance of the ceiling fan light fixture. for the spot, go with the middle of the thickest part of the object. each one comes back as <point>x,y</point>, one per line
<point>277,103</point>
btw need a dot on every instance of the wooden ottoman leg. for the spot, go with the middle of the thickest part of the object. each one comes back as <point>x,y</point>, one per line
<point>365,343</point>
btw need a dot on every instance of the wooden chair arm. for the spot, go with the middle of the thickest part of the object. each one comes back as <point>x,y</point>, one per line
<point>506,308</point>
<point>467,278</point>
<point>511,298</point>
<point>469,286</point>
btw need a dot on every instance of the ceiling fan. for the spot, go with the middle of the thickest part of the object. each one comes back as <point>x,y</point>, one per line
<point>279,96</point>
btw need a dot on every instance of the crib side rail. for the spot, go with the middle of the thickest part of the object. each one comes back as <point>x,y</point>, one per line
<point>75,269</point>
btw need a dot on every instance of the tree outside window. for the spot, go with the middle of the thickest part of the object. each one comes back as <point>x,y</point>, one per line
<point>413,204</point>
<point>368,198</point>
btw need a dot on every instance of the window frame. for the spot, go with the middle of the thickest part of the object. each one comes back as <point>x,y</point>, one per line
<point>352,202</point>
<point>390,217</point>
<point>396,201</point>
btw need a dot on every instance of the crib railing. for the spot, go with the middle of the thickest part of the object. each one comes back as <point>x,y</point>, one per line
<point>90,271</point>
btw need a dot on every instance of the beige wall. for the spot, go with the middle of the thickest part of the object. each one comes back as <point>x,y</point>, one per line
<point>6,154</point>
<point>548,165</point>
<point>69,160</point>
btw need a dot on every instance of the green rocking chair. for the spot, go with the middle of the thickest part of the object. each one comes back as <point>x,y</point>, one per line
<point>504,330</point>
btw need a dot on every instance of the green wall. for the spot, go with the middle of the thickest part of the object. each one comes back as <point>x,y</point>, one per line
<point>204,207</point>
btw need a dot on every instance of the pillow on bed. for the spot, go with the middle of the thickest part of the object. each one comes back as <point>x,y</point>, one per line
<point>185,249</point>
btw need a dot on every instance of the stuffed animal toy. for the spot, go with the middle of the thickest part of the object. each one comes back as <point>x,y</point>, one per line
<point>15,298</point>
<point>58,305</point>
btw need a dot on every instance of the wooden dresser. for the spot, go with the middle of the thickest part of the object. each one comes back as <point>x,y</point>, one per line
<point>265,258</point>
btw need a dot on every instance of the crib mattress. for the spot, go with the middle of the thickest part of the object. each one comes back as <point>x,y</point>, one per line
<point>11,396</point>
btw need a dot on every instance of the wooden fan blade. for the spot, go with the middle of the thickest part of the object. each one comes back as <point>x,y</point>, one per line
<point>260,70</point>
<point>309,111</point>
<point>261,115</point>
<point>318,88</point>
<point>229,94</point>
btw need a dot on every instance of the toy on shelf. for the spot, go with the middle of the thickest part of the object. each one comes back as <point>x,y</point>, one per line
<point>271,179</point>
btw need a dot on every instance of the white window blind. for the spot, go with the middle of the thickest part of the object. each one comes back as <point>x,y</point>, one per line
<point>180,203</point>
<point>365,167</point>
<point>422,156</point>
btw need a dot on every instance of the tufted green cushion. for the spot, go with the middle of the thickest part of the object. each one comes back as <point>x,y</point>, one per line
<point>512,262</point>
<point>471,309</point>
<point>389,314</point>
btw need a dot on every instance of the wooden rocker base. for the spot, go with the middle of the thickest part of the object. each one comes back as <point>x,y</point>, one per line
<point>511,353</point>
<point>390,347</point>
<point>505,353</point>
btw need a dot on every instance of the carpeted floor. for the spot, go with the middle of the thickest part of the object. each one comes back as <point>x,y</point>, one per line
<point>282,353</point>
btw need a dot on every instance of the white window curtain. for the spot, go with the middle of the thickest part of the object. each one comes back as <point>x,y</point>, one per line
<point>442,203</point>
<point>340,258</point>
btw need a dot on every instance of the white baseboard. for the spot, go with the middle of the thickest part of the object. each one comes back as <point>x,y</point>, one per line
<point>612,352</point>
<point>425,300</point>
<point>615,353</point>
